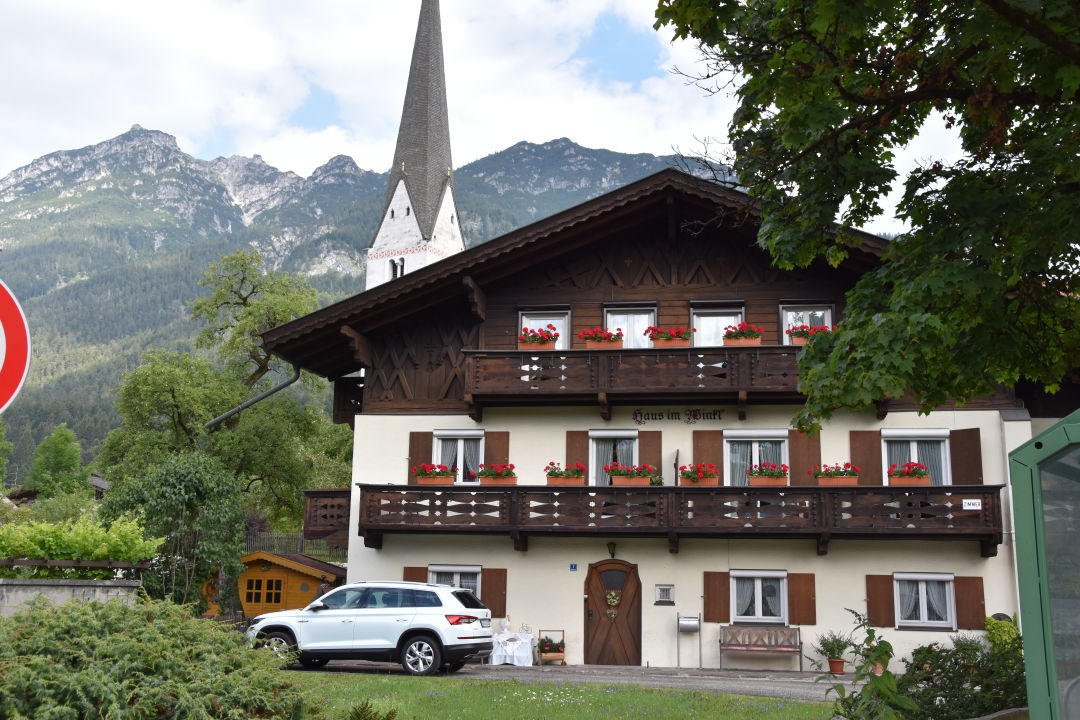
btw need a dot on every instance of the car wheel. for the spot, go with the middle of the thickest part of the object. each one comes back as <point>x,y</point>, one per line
<point>454,666</point>
<point>281,644</point>
<point>420,655</point>
<point>312,662</point>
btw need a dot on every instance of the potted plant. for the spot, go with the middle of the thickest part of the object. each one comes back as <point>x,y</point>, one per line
<point>570,475</point>
<point>496,474</point>
<point>832,646</point>
<point>801,334</point>
<point>542,339</point>
<point>742,334</point>
<point>633,475</point>
<point>602,339</point>
<point>426,474</point>
<point>846,474</point>
<point>767,474</point>
<point>700,474</point>
<point>671,337</point>
<point>549,649</point>
<point>910,473</point>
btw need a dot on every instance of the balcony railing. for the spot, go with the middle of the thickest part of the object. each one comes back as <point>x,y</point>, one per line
<point>822,513</point>
<point>701,374</point>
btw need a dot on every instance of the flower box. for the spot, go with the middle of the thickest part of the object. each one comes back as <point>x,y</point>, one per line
<point>671,343</point>
<point>433,479</point>
<point>799,340</point>
<point>631,480</point>
<point>560,480</point>
<point>910,480</point>
<point>707,480</point>
<point>766,481</point>
<point>537,346</point>
<point>845,480</point>
<point>603,344</point>
<point>498,479</point>
<point>741,342</point>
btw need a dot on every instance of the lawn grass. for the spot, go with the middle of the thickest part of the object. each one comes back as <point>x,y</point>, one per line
<point>447,698</point>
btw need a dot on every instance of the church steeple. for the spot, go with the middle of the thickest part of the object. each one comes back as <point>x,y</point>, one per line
<point>419,223</point>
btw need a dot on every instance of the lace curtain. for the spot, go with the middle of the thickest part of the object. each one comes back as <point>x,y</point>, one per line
<point>741,457</point>
<point>744,598</point>
<point>609,450</point>
<point>468,464</point>
<point>909,600</point>
<point>930,453</point>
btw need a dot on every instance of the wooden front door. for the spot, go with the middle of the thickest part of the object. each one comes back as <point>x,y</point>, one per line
<point>612,614</point>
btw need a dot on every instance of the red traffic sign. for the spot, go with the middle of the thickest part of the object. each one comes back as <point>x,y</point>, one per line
<point>14,347</point>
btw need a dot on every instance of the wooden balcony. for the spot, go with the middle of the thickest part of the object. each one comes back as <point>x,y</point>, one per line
<point>822,514</point>
<point>326,516</point>
<point>698,375</point>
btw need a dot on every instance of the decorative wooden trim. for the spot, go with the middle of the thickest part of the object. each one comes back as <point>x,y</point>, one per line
<point>476,296</point>
<point>360,345</point>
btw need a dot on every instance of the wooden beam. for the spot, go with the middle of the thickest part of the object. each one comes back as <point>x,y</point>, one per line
<point>673,543</point>
<point>474,410</point>
<point>360,345</point>
<point>373,540</point>
<point>882,407</point>
<point>521,541</point>
<point>605,406</point>
<point>477,298</point>
<point>823,543</point>
<point>742,404</point>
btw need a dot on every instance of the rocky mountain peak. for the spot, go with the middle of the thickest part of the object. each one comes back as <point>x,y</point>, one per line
<point>340,168</point>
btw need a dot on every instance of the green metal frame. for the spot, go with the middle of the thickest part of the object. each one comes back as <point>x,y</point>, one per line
<point>1024,477</point>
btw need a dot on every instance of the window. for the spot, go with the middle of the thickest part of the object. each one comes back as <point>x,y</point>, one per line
<point>253,592</point>
<point>273,591</point>
<point>344,599</point>
<point>924,601</point>
<point>462,576</point>
<point>928,447</point>
<point>813,315</point>
<point>397,268</point>
<point>711,325</point>
<point>759,596</point>
<point>665,595</point>
<point>381,597</point>
<point>462,449</point>
<point>610,446</point>
<point>753,447</point>
<point>540,320</point>
<point>633,322</point>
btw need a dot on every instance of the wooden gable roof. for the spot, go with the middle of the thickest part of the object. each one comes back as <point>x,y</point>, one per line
<point>330,341</point>
<point>300,563</point>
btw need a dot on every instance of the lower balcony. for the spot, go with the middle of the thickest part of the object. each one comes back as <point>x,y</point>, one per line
<point>819,513</point>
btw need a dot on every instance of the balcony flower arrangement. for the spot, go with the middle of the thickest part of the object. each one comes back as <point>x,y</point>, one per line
<point>845,474</point>
<point>636,475</point>
<point>427,474</point>
<point>767,474</point>
<point>549,649</point>
<point>542,339</point>
<point>570,475</point>
<point>801,334</point>
<point>910,473</point>
<point>671,337</point>
<point>742,334</point>
<point>602,339</point>
<point>700,474</point>
<point>496,474</point>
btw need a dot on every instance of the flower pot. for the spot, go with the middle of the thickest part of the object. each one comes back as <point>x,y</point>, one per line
<point>603,344</point>
<point>910,481</point>
<point>560,656</point>
<point>845,480</point>
<point>433,480</point>
<point>671,343</point>
<point>836,666</point>
<point>763,481</point>
<point>631,480</point>
<point>537,346</point>
<point>560,480</point>
<point>741,342</point>
<point>498,479</point>
<point>798,339</point>
<point>707,480</point>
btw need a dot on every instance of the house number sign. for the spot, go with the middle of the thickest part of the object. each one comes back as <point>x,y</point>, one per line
<point>690,416</point>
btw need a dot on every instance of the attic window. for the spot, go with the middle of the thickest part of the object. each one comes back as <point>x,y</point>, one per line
<point>391,213</point>
<point>406,210</point>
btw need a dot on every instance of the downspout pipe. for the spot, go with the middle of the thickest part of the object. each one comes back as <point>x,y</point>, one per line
<point>258,398</point>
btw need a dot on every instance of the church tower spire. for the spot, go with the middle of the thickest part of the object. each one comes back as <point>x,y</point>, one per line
<point>419,223</point>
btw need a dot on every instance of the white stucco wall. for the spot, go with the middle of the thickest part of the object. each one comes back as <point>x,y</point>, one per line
<point>446,238</point>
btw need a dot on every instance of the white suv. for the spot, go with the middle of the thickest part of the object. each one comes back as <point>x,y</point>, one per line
<point>425,627</point>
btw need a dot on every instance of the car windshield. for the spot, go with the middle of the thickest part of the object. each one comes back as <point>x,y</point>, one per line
<point>467,599</point>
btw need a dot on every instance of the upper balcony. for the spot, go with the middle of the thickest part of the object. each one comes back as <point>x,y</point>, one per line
<point>823,514</point>
<point>605,377</point>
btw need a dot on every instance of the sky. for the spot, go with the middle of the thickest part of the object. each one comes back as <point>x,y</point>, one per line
<point>301,82</point>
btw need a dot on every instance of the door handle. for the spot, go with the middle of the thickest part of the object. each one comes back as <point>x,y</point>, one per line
<point>403,619</point>
<point>301,621</point>
<point>590,614</point>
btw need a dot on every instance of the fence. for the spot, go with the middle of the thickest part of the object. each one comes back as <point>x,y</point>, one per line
<point>294,543</point>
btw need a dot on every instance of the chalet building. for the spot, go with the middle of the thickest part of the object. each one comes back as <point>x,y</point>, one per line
<point>427,369</point>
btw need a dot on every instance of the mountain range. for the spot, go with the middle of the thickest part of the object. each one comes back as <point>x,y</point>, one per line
<point>104,247</point>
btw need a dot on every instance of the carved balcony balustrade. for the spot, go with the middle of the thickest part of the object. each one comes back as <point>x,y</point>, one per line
<point>698,374</point>
<point>823,514</point>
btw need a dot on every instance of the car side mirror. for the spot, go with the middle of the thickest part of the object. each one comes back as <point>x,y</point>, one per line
<point>317,605</point>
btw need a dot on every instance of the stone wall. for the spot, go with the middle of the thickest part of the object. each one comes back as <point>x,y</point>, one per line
<point>16,592</point>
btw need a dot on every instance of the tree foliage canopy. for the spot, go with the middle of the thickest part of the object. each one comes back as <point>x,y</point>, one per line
<point>57,466</point>
<point>982,289</point>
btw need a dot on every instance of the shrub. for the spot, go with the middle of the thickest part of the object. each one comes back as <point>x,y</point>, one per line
<point>84,539</point>
<point>152,659</point>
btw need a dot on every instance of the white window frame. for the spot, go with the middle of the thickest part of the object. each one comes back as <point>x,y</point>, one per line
<point>457,570</point>
<point>758,575</point>
<point>459,435</point>
<point>665,594</point>
<point>630,339</point>
<point>912,436</point>
<point>597,473</point>
<point>922,578</point>
<point>735,313</point>
<point>754,436</point>
<point>786,323</point>
<point>539,319</point>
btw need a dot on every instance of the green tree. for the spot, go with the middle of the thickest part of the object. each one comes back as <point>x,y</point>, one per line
<point>6,449</point>
<point>57,466</point>
<point>981,289</point>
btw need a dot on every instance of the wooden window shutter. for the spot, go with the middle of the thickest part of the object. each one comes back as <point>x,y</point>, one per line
<point>802,599</point>
<point>965,456</point>
<point>970,603</point>
<point>577,447</point>
<point>804,453</point>
<point>717,597</point>
<point>866,455</point>
<point>419,452</point>
<point>649,448</point>
<point>708,448</point>
<point>493,590</point>
<point>496,448</point>
<point>415,574</point>
<point>879,601</point>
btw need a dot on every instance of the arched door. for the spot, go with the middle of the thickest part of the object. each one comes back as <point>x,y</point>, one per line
<point>612,614</point>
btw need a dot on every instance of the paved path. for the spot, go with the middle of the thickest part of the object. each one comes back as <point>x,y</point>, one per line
<point>777,684</point>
